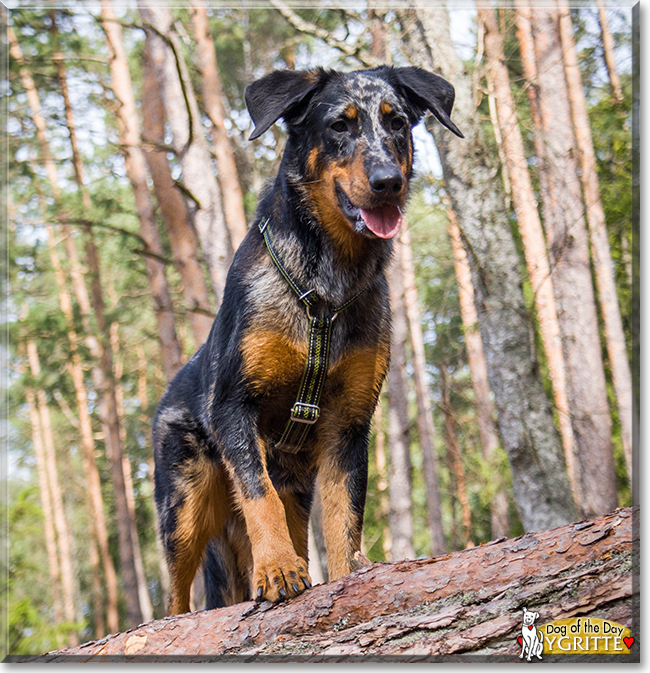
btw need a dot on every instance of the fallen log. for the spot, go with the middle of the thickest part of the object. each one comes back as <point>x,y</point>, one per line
<point>453,607</point>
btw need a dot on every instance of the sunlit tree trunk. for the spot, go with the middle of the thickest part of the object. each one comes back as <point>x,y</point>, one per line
<point>58,511</point>
<point>541,486</point>
<point>456,461</point>
<point>487,426</point>
<point>46,501</point>
<point>136,170</point>
<point>143,397</point>
<point>532,234</point>
<point>608,48</point>
<point>173,210</point>
<point>425,415</point>
<point>600,253</point>
<point>189,144</point>
<point>568,244</point>
<point>87,441</point>
<point>382,483</point>
<point>112,407</point>
<point>233,203</point>
<point>399,480</point>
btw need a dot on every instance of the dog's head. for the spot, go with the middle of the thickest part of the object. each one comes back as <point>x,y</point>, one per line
<point>351,137</point>
<point>530,617</point>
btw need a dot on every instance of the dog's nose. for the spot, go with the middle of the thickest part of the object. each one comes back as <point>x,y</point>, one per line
<point>386,179</point>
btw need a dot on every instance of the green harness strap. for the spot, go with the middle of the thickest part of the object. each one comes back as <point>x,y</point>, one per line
<point>305,411</point>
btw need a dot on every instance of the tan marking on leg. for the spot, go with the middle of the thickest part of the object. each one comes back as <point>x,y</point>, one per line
<point>206,502</point>
<point>276,565</point>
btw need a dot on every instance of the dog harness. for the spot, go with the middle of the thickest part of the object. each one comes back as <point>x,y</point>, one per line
<point>305,411</point>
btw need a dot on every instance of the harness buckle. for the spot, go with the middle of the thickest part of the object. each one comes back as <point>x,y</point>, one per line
<point>300,409</point>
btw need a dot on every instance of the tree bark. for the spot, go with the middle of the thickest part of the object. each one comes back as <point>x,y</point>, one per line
<point>189,144</point>
<point>456,461</point>
<point>399,479</point>
<point>58,510</point>
<point>425,415</point>
<point>541,486</point>
<point>600,253</point>
<point>487,426</point>
<point>532,234</point>
<point>568,244</point>
<point>233,201</point>
<point>182,239</point>
<point>136,170</point>
<point>468,602</point>
<point>608,48</point>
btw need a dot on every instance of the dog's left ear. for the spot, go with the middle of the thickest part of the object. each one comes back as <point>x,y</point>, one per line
<point>280,94</point>
<point>426,91</point>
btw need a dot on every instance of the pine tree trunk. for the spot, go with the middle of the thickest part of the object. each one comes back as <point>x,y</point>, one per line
<point>58,510</point>
<point>316,526</point>
<point>173,209</point>
<point>189,144</point>
<point>143,591</point>
<point>46,501</point>
<point>136,170</point>
<point>425,415</point>
<point>91,472</point>
<point>541,486</point>
<point>382,483</point>
<point>233,202</point>
<point>532,234</point>
<point>487,426</point>
<point>600,253</point>
<point>399,479</point>
<point>568,243</point>
<point>608,48</point>
<point>456,460</point>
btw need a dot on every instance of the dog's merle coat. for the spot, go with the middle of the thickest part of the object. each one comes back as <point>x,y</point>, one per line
<point>224,492</point>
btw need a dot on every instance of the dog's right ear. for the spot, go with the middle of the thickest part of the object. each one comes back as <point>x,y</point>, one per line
<point>280,94</point>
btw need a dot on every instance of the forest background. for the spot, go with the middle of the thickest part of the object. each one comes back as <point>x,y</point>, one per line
<point>509,404</point>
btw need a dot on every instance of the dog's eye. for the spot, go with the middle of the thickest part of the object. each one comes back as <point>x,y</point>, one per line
<point>397,123</point>
<point>340,126</point>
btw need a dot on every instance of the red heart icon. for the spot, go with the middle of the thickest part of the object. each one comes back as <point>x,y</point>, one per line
<point>530,628</point>
<point>628,642</point>
<point>520,640</point>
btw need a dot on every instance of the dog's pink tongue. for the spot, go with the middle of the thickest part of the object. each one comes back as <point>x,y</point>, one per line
<point>384,222</point>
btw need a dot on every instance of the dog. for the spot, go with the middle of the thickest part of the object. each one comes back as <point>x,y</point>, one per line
<point>285,387</point>
<point>531,645</point>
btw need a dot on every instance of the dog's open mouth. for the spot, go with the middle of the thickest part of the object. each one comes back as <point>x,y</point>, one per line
<point>384,221</point>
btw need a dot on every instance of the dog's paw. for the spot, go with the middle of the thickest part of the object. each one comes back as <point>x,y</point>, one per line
<point>280,577</point>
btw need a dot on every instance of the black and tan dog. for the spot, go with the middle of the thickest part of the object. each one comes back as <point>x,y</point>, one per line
<point>286,385</point>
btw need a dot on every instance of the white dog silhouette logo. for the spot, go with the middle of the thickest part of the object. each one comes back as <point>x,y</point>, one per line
<point>529,641</point>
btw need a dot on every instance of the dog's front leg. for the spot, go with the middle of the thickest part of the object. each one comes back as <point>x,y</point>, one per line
<point>278,571</point>
<point>343,479</point>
